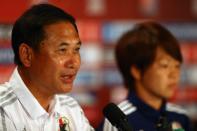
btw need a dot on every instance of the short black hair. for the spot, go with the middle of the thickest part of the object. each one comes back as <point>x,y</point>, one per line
<point>29,28</point>
<point>138,46</point>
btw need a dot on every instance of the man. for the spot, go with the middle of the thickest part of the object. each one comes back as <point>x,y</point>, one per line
<point>46,45</point>
<point>149,60</point>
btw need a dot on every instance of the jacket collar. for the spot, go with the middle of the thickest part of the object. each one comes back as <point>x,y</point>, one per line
<point>147,110</point>
<point>26,98</point>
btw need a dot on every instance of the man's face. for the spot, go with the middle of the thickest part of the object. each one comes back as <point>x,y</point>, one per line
<point>55,64</point>
<point>161,78</point>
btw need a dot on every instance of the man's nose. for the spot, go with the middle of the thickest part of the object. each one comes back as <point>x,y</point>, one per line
<point>72,62</point>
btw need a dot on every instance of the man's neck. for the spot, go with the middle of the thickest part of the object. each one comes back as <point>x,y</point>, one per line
<point>44,98</point>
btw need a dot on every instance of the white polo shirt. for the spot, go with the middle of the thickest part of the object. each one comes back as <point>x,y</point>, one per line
<point>20,111</point>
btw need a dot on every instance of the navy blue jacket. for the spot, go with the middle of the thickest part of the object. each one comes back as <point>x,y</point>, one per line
<point>142,117</point>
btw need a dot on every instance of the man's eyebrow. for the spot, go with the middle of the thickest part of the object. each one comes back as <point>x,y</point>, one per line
<point>67,44</point>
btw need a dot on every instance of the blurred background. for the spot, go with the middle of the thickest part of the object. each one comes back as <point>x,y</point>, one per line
<point>101,23</point>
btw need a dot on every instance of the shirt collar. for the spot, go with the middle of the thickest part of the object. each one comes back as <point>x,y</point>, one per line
<point>55,106</point>
<point>145,109</point>
<point>29,102</point>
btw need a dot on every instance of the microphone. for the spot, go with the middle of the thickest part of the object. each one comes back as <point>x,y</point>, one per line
<point>116,117</point>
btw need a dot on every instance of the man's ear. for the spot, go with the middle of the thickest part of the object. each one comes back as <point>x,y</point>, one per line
<point>25,54</point>
<point>135,72</point>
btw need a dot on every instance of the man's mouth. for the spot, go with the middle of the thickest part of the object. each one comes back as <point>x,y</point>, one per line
<point>67,79</point>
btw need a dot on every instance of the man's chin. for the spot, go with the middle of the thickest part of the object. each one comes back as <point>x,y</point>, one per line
<point>67,88</point>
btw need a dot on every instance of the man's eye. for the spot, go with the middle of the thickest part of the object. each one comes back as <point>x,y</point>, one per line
<point>77,49</point>
<point>178,66</point>
<point>164,65</point>
<point>62,50</point>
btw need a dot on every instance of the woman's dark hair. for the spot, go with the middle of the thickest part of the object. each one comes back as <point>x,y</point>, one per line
<point>138,47</point>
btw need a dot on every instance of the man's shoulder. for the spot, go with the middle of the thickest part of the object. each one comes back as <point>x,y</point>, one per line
<point>4,87</point>
<point>7,95</point>
<point>67,101</point>
<point>127,107</point>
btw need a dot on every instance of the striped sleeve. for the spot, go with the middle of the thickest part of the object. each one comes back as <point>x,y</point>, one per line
<point>127,107</point>
<point>175,108</point>
<point>2,120</point>
<point>5,123</point>
<point>7,96</point>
